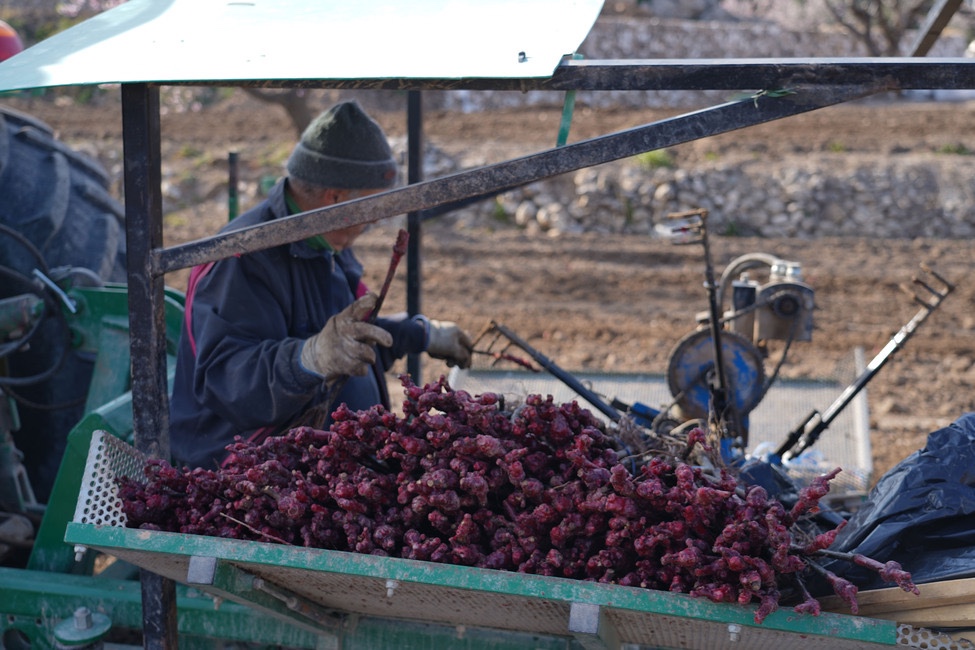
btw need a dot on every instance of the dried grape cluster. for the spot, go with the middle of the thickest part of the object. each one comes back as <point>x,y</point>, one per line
<point>538,490</point>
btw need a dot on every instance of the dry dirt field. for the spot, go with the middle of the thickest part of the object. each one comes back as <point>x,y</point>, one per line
<point>620,303</point>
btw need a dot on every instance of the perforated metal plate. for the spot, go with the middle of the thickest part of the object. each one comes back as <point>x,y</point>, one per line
<point>108,458</point>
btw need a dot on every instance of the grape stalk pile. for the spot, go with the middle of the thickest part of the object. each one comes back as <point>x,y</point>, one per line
<point>539,489</point>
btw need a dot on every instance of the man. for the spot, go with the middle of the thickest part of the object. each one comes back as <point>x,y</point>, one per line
<point>270,334</point>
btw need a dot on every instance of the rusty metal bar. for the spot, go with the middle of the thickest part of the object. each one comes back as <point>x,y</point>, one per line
<point>414,297</point>
<point>143,217</point>
<point>899,73</point>
<point>150,413</point>
<point>505,175</point>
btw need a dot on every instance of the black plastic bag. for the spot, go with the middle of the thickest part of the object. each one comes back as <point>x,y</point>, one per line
<point>921,513</point>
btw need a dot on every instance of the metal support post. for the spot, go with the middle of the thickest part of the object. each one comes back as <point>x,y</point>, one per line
<point>414,124</point>
<point>150,409</point>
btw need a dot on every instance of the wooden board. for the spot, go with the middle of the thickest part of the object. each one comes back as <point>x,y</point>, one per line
<point>950,603</point>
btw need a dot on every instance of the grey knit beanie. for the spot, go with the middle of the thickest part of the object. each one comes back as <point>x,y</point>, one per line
<point>344,149</point>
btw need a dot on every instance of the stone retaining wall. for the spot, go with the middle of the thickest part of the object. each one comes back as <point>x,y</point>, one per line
<point>823,195</point>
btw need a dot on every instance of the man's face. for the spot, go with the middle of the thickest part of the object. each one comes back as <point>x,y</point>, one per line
<point>344,238</point>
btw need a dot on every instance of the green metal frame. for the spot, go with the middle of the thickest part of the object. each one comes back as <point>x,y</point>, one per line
<point>57,581</point>
<point>300,579</point>
<point>100,326</point>
<point>35,602</point>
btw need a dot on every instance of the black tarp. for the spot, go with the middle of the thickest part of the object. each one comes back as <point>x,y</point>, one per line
<point>921,513</point>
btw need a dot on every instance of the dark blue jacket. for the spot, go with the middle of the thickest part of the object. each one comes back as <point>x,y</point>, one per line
<point>238,369</point>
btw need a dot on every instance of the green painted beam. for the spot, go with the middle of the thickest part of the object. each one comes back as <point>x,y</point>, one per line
<point>148,546</point>
<point>34,602</point>
<point>225,579</point>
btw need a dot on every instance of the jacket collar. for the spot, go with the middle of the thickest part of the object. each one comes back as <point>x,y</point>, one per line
<point>284,205</point>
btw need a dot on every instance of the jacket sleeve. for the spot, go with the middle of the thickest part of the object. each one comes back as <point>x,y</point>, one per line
<point>248,368</point>
<point>410,336</point>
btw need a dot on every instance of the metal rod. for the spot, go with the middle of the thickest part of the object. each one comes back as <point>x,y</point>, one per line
<point>326,619</point>
<point>898,73</point>
<point>143,216</point>
<point>150,404</point>
<point>719,382</point>
<point>723,417</point>
<point>934,23</point>
<point>160,626</point>
<point>233,182</point>
<point>414,220</point>
<point>561,374</point>
<point>807,433</point>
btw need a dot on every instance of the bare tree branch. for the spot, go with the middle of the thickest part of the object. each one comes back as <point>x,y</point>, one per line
<point>293,100</point>
<point>881,25</point>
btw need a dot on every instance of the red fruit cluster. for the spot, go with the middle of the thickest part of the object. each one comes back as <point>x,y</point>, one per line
<point>458,479</point>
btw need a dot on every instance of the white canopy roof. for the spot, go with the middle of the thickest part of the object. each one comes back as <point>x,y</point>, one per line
<point>214,41</point>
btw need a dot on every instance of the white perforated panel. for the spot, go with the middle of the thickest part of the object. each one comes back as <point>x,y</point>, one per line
<point>919,637</point>
<point>108,458</point>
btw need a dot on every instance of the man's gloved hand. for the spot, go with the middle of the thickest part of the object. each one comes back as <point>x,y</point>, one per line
<point>344,347</point>
<point>450,343</point>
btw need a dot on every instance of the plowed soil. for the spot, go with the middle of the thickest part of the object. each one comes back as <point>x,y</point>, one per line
<point>621,303</point>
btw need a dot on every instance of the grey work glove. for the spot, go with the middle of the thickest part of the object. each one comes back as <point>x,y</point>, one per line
<point>450,343</point>
<point>345,346</point>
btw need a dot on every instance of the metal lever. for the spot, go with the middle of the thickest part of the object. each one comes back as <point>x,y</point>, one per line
<point>926,295</point>
<point>558,372</point>
<point>69,303</point>
<point>723,418</point>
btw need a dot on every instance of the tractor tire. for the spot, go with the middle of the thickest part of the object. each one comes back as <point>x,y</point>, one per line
<point>59,200</point>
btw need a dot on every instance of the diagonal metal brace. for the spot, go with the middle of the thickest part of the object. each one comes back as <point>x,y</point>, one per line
<point>224,579</point>
<point>493,179</point>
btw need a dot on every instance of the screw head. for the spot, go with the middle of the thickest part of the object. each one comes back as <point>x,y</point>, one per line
<point>734,632</point>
